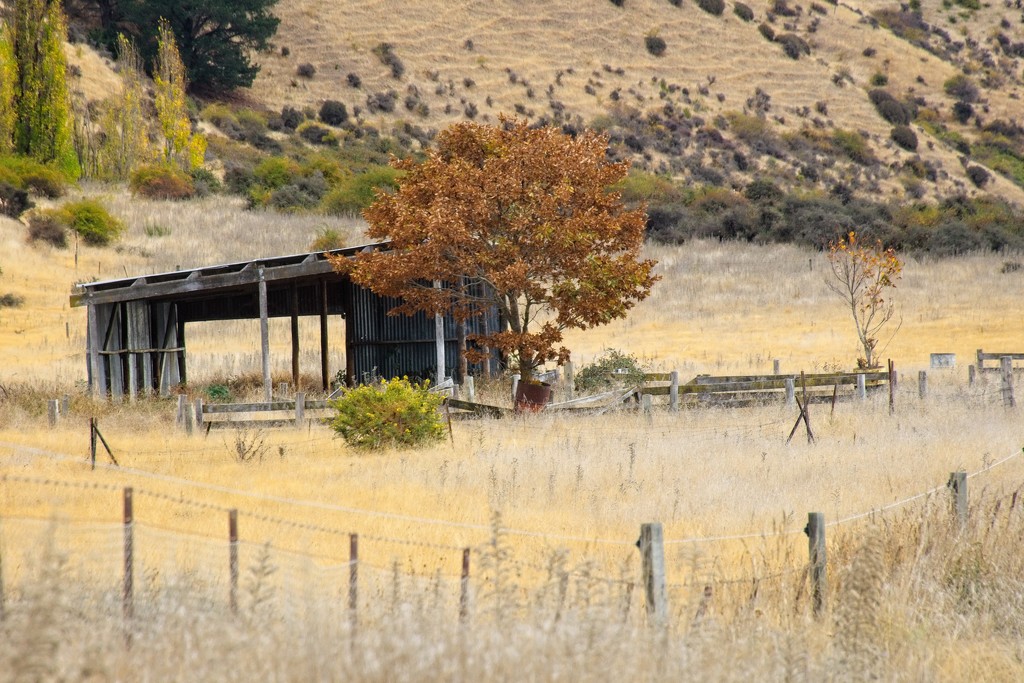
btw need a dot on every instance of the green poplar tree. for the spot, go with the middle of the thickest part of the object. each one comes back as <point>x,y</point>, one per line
<point>43,126</point>
<point>8,77</point>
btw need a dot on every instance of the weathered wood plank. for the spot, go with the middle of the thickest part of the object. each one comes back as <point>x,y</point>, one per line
<point>284,416</point>
<point>479,408</point>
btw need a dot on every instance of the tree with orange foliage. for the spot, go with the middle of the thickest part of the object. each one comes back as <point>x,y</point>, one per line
<point>861,277</point>
<point>515,217</point>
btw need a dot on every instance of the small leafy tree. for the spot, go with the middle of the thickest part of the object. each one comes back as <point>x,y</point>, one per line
<point>125,124</point>
<point>862,275</point>
<point>8,79</point>
<point>181,147</point>
<point>515,217</point>
<point>392,414</point>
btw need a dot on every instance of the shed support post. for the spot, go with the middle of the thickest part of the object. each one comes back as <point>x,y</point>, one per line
<point>442,372</point>
<point>325,370</point>
<point>265,338</point>
<point>96,370</point>
<point>295,337</point>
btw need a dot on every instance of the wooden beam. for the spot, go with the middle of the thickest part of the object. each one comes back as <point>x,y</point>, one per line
<point>264,337</point>
<point>97,373</point>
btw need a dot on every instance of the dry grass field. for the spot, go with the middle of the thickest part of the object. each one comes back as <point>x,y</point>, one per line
<point>553,581</point>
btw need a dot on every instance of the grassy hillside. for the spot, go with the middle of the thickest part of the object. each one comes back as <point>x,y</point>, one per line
<point>675,112</point>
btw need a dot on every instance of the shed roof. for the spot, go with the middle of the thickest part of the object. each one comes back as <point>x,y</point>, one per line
<point>206,280</point>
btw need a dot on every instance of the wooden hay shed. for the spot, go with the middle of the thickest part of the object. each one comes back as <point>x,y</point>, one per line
<point>136,342</point>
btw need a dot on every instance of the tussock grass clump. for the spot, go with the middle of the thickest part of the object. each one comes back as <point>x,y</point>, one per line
<point>655,44</point>
<point>305,70</point>
<point>48,229</point>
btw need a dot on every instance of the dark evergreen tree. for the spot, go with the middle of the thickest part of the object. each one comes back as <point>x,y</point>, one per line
<point>214,37</point>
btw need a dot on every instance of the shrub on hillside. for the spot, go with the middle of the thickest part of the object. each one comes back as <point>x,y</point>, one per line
<point>327,239</point>
<point>13,200</point>
<point>392,414</point>
<point>854,146</point>
<point>275,172</point>
<point>905,137</point>
<point>305,70</point>
<point>715,7</point>
<point>962,111</point>
<point>381,101</point>
<point>743,11</point>
<point>28,174</point>
<point>889,108</point>
<point>333,113</point>
<point>655,45</point>
<point>49,229</point>
<point>978,175</point>
<point>386,54</point>
<point>90,219</point>
<point>160,181</point>
<point>793,45</point>
<point>291,118</point>
<point>962,88</point>
<point>767,31</point>
<point>316,134</point>
<point>357,192</point>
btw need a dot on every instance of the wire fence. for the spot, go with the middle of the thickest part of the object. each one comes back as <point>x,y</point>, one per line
<point>279,555</point>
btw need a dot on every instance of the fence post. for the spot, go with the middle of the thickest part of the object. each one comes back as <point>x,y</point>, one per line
<point>790,391</point>
<point>775,366</point>
<point>645,402</point>
<point>862,388</point>
<point>470,385</point>
<point>92,442</point>
<point>353,580</point>
<point>958,488</point>
<point>515,385</point>
<point>981,360</point>
<point>199,412</point>
<point>673,390</point>
<point>300,408</point>
<point>816,545</point>
<point>282,389</point>
<point>971,375</point>
<point>52,410</point>
<point>65,405</point>
<point>652,552</point>
<point>180,418</point>
<point>922,384</point>
<point>127,603</point>
<point>1006,364</point>
<point>2,606</point>
<point>892,387</point>
<point>233,559</point>
<point>464,587</point>
<point>570,381</point>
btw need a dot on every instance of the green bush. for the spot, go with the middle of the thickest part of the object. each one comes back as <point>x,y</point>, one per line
<point>655,45</point>
<point>160,181</point>
<point>854,146</point>
<point>357,192</point>
<point>962,88</point>
<point>612,369</point>
<point>327,239</point>
<point>28,174</point>
<point>392,414</point>
<point>90,219</point>
<point>275,172</point>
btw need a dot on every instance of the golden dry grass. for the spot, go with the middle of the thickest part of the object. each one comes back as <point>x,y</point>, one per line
<point>572,491</point>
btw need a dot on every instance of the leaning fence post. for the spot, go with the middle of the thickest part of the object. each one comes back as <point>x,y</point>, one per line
<point>52,410</point>
<point>92,442</point>
<point>464,587</point>
<point>233,559</point>
<point>353,579</point>
<point>300,408</point>
<point>127,604</point>
<point>958,488</point>
<point>673,390</point>
<point>922,384</point>
<point>652,552</point>
<point>1006,364</point>
<point>815,531</point>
